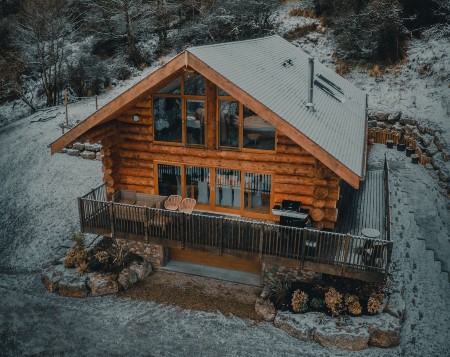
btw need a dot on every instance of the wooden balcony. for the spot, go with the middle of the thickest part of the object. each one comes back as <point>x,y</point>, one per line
<point>323,252</point>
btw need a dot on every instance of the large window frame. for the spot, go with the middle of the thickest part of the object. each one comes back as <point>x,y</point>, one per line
<point>240,147</point>
<point>213,206</point>
<point>184,99</point>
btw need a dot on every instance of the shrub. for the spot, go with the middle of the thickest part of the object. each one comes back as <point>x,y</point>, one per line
<point>82,268</point>
<point>300,301</point>
<point>333,301</point>
<point>299,31</point>
<point>317,304</point>
<point>353,305</point>
<point>102,256</point>
<point>374,304</point>
<point>119,255</point>
<point>279,288</point>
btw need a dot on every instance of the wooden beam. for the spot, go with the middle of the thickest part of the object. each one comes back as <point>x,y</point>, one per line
<point>120,104</point>
<point>326,158</point>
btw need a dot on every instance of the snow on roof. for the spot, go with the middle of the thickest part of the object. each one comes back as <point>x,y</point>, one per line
<point>276,73</point>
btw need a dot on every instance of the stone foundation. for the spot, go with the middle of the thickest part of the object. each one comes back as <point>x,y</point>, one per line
<point>281,272</point>
<point>154,253</point>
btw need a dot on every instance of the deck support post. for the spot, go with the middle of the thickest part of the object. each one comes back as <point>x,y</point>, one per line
<point>181,232</point>
<point>261,243</point>
<point>303,237</point>
<point>346,248</point>
<point>147,219</point>
<point>80,211</point>
<point>220,236</point>
<point>111,218</point>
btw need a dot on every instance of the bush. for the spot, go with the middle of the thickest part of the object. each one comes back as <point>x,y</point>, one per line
<point>353,305</point>
<point>279,289</point>
<point>317,304</point>
<point>374,304</point>
<point>300,301</point>
<point>333,301</point>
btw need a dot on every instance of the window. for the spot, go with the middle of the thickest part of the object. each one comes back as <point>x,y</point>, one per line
<point>229,123</point>
<point>169,180</point>
<point>167,119</point>
<point>257,188</point>
<point>228,188</point>
<point>198,184</point>
<point>194,84</point>
<point>195,122</point>
<point>258,133</point>
<point>179,111</point>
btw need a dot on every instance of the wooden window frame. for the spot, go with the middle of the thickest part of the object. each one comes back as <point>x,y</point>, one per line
<point>183,98</point>
<point>240,147</point>
<point>212,207</point>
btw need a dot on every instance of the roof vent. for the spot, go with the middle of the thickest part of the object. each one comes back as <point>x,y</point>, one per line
<point>288,63</point>
<point>310,104</point>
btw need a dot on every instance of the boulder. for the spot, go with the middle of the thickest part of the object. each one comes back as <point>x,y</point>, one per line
<point>372,124</point>
<point>51,276</point>
<point>98,156</point>
<point>445,156</point>
<point>394,117</point>
<point>265,309</point>
<point>444,174</point>
<point>73,152</point>
<point>142,269</point>
<point>62,151</point>
<point>396,306</point>
<point>294,325</point>
<point>384,337</point>
<point>78,146</point>
<point>407,121</point>
<point>92,147</point>
<point>346,338</point>
<point>89,155</point>
<point>379,116</point>
<point>73,286</point>
<point>103,284</point>
<point>127,278</point>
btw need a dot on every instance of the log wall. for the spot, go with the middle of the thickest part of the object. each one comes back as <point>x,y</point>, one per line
<point>129,155</point>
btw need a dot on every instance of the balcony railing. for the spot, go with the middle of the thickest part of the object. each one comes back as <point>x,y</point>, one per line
<point>324,252</point>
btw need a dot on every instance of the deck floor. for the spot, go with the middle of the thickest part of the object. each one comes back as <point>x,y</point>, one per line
<point>366,207</point>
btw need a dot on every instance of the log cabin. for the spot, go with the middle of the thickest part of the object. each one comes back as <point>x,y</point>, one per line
<point>240,127</point>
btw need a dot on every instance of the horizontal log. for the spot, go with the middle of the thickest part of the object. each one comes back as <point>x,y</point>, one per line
<point>294,189</point>
<point>294,150</point>
<point>320,192</point>
<point>304,200</point>
<point>138,164</point>
<point>110,141</point>
<point>284,140</point>
<point>318,203</point>
<point>126,171</point>
<point>328,224</point>
<point>147,112</point>
<point>147,103</point>
<point>317,214</point>
<point>133,128</point>
<point>141,141</point>
<point>299,180</point>
<point>108,162</point>
<point>109,179</point>
<point>330,214</point>
<point>131,180</point>
<point>137,188</point>
<point>101,131</point>
<point>143,120</point>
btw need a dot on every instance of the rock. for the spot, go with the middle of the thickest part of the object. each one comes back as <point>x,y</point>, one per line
<point>383,328</point>
<point>98,156</point>
<point>73,286</point>
<point>127,278</point>
<point>437,140</point>
<point>62,151</point>
<point>89,155</point>
<point>92,147</point>
<point>142,269</point>
<point>379,116</point>
<point>78,146</point>
<point>444,174</point>
<point>103,284</point>
<point>51,276</point>
<point>372,124</point>
<point>73,152</point>
<point>347,338</point>
<point>265,309</point>
<point>396,306</point>
<point>394,117</point>
<point>429,167</point>
<point>265,292</point>
<point>294,326</point>
<point>384,337</point>
<point>407,121</point>
<point>445,156</point>
<point>443,185</point>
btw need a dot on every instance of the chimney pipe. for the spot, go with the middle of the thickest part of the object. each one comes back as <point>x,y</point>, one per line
<point>310,103</point>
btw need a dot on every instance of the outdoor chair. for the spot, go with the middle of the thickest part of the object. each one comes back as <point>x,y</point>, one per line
<point>173,202</point>
<point>187,205</point>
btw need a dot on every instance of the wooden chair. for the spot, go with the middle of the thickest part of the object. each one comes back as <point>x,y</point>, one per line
<point>173,202</point>
<point>187,205</point>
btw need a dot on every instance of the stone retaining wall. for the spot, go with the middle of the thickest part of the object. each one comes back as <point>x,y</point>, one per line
<point>85,151</point>
<point>154,253</point>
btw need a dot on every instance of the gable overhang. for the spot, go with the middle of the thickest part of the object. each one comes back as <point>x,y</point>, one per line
<point>142,89</point>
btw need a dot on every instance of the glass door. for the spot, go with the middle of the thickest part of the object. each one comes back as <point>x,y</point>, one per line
<point>198,186</point>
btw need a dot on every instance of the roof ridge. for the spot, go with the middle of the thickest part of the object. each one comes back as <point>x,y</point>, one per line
<point>257,39</point>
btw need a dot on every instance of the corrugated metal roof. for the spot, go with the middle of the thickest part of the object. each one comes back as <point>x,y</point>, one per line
<point>256,67</point>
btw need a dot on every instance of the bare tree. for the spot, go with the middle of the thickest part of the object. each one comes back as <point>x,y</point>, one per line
<point>122,19</point>
<point>42,31</point>
<point>13,83</point>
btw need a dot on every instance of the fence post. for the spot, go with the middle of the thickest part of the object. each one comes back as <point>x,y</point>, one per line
<point>80,211</point>
<point>182,233</point>
<point>147,219</point>
<point>111,219</point>
<point>220,235</point>
<point>261,242</point>
<point>66,104</point>
<point>346,248</point>
<point>96,103</point>
<point>388,260</point>
<point>303,238</point>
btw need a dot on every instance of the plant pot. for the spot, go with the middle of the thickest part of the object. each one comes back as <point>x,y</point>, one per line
<point>389,144</point>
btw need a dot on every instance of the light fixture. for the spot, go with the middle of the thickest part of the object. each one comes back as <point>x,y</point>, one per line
<point>136,118</point>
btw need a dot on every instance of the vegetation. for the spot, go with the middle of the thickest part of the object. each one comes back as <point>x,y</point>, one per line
<point>300,301</point>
